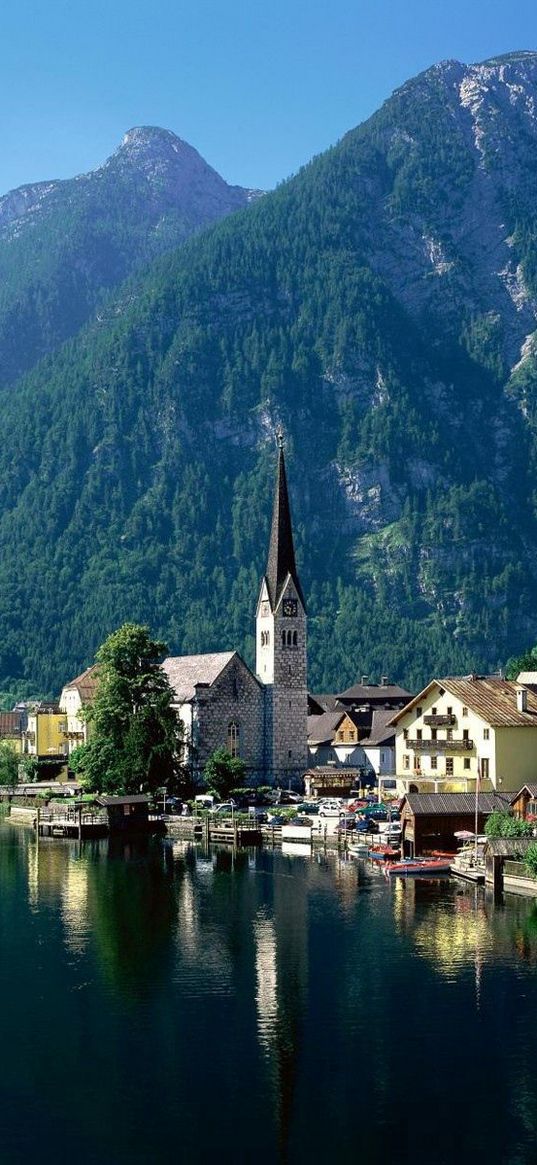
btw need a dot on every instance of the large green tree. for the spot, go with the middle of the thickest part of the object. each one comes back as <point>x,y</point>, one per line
<point>223,772</point>
<point>135,735</point>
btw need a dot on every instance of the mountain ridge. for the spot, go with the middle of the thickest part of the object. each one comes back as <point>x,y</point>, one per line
<point>369,304</point>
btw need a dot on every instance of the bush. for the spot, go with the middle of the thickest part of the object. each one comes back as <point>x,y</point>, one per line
<point>530,860</point>
<point>501,823</point>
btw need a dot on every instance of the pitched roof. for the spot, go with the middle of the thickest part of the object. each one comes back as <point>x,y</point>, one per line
<point>10,723</point>
<point>281,556</point>
<point>491,697</point>
<point>527,677</point>
<point>531,786</point>
<point>374,692</point>
<point>86,683</point>
<point>321,728</point>
<point>508,847</point>
<point>452,804</point>
<point>185,671</point>
<point>381,730</point>
<point>325,703</point>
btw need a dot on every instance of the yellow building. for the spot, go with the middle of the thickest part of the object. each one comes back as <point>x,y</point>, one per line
<point>75,698</point>
<point>459,727</point>
<point>45,734</point>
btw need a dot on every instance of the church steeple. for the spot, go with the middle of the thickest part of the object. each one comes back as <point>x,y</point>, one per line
<point>281,556</point>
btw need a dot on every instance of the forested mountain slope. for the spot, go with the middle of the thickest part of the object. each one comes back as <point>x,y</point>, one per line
<point>381,305</point>
<point>65,244</point>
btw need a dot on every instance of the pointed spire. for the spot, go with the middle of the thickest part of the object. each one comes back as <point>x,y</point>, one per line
<point>281,557</point>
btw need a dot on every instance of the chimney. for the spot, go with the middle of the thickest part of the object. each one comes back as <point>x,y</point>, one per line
<point>364,681</point>
<point>522,699</point>
<point>384,681</point>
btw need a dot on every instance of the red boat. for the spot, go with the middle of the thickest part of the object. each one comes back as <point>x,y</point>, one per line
<point>410,867</point>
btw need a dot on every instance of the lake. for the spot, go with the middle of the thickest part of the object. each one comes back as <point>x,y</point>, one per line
<point>160,1003</point>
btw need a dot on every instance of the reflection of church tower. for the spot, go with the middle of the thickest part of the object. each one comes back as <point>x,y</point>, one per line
<point>281,645</point>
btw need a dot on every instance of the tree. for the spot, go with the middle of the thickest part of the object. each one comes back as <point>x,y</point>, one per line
<point>525,662</point>
<point>9,764</point>
<point>135,734</point>
<point>223,772</point>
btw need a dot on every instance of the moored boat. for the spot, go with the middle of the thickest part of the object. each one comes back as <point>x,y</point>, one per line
<point>410,867</point>
<point>383,853</point>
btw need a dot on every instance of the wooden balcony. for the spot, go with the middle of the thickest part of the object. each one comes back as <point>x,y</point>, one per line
<point>440,721</point>
<point>464,745</point>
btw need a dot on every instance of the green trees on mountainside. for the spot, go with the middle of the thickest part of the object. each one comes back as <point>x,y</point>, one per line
<point>137,465</point>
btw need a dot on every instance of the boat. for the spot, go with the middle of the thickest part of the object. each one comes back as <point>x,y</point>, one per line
<point>359,849</point>
<point>383,853</point>
<point>410,867</point>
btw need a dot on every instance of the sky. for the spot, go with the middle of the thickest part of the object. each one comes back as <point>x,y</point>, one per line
<point>257,87</point>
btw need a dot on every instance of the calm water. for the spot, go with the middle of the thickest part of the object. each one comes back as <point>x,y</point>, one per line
<point>162,1004</point>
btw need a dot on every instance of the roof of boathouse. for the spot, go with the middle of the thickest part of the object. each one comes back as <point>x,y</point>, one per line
<point>185,671</point>
<point>453,804</point>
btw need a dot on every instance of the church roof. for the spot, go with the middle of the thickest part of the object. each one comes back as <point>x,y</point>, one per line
<point>185,671</point>
<point>281,556</point>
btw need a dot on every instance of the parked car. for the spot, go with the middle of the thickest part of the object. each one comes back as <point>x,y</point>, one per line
<point>307,809</point>
<point>224,809</point>
<point>330,808</point>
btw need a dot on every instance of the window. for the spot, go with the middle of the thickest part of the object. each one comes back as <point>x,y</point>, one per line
<point>419,734</point>
<point>405,733</point>
<point>434,762</point>
<point>449,766</point>
<point>290,753</point>
<point>419,711</point>
<point>467,762</point>
<point>417,764</point>
<point>341,736</point>
<point>283,638</point>
<point>233,738</point>
<point>434,733</point>
<point>295,639</point>
<point>442,691</point>
<point>485,768</point>
<point>450,711</point>
<point>465,734</point>
<point>486,734</point>
<point>406,760</point>
<point>465,711</point>
<point>434,711</point>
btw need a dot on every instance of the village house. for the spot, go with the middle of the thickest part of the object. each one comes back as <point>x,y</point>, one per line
<point>75,697</point>
<point>11,729</point>
<point>431,821</point>
<point>460,728</point>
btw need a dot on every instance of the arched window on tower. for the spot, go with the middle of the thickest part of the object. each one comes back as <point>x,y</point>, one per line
<point>283,638</point>
<point>233,738</point>
<point>295,639</point>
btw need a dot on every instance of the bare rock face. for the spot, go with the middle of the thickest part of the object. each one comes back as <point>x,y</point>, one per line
<point>83,236</point>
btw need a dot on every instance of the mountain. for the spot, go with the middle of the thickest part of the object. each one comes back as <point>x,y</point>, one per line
<point>381,306</point>
<point>65,244</point>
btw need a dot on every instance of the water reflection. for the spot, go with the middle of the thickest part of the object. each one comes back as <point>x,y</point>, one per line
<point>285,996</point>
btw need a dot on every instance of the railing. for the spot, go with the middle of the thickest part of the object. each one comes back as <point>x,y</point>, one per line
<point>465,745</point>
<point>440,721</point>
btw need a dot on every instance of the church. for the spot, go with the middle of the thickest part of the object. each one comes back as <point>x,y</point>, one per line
<point>260,718</point>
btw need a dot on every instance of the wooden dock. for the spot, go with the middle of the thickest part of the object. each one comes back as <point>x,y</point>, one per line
<point>63,821</point>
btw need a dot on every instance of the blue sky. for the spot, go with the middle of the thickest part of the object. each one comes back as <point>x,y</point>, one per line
<point>257,88</point>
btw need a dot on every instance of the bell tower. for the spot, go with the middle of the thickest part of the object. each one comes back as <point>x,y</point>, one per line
<point>281,645</point>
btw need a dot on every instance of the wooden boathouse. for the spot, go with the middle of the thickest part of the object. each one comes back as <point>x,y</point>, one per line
<point>429,821</point>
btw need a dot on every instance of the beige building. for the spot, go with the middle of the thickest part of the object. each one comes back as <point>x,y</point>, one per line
<point>77,696</point>
<point>459,727</point>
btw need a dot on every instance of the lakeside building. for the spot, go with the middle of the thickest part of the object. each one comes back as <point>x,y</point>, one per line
<point>354,729</point>
<point>461,728</point>
<point>11,729</point>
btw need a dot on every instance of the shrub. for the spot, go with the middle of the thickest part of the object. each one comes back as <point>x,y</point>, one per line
<point>530,860</point>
